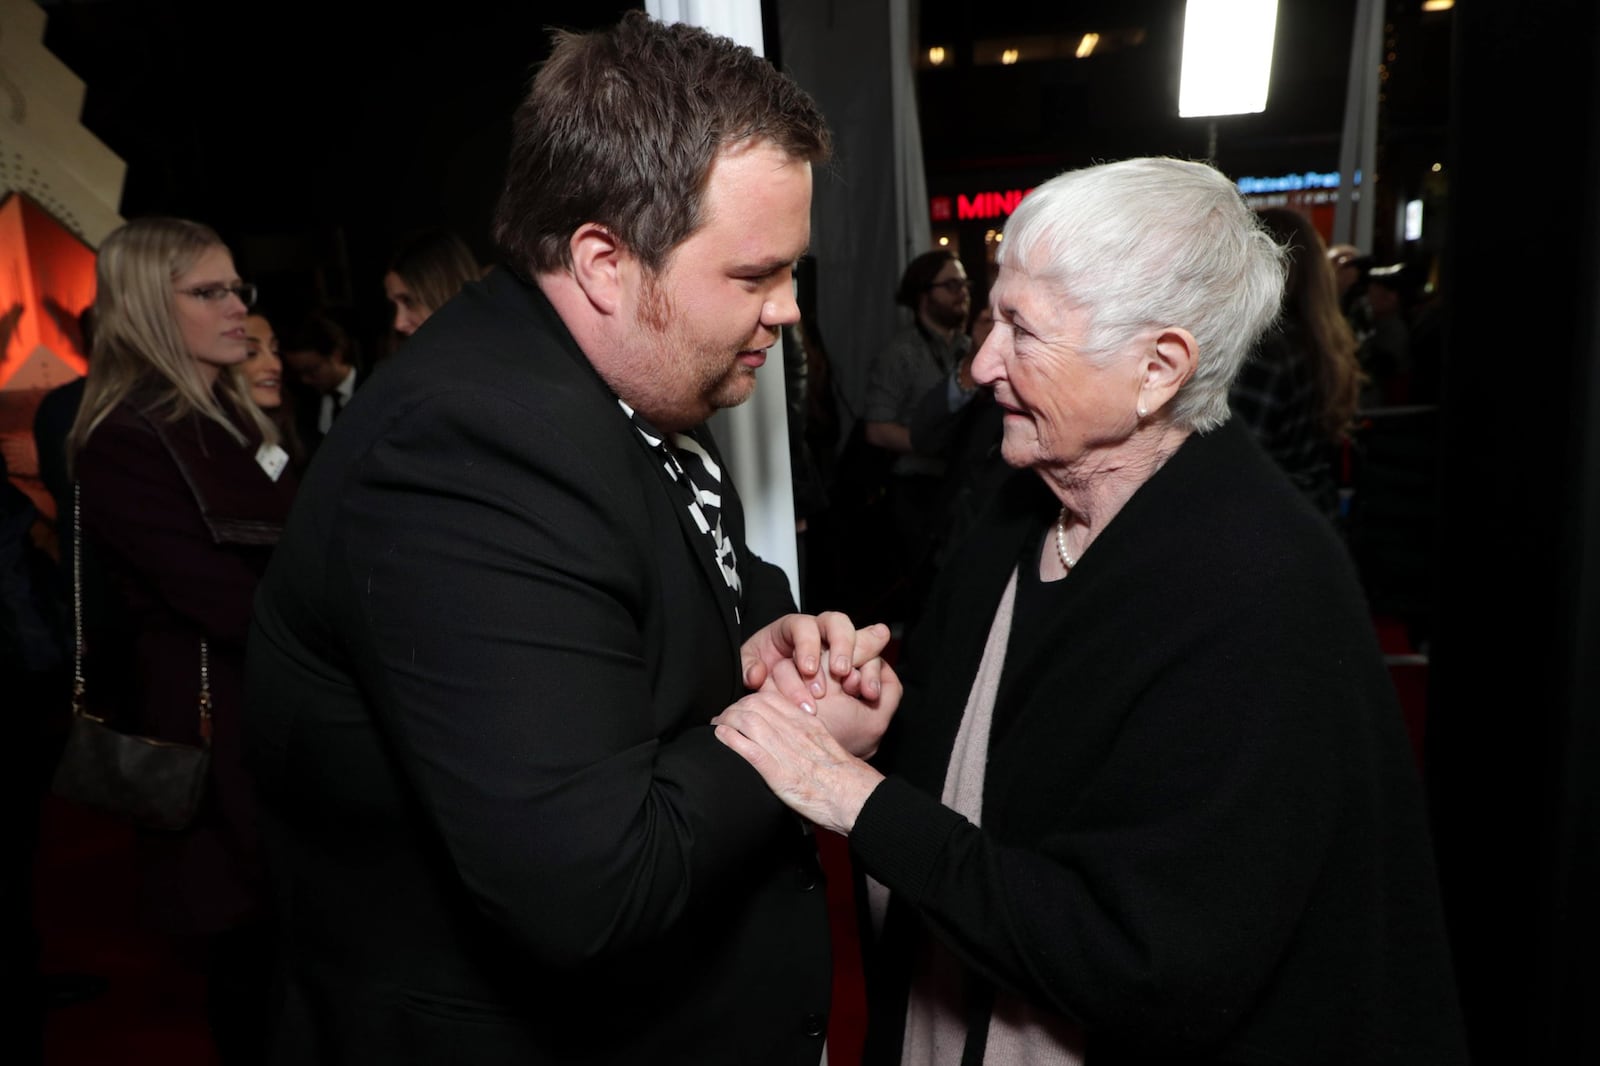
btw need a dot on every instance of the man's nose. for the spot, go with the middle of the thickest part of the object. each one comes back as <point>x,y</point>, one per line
<point>782,310</point>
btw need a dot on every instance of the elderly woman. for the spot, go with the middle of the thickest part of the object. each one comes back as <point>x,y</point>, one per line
<point>1148,798</point>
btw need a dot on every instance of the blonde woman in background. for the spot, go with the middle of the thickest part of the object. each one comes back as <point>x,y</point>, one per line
<point>184,489</point>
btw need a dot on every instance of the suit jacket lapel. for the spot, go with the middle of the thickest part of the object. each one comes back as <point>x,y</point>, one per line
<point>695,542</point>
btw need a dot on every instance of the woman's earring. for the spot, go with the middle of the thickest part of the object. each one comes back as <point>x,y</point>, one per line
<point>1142,411</point>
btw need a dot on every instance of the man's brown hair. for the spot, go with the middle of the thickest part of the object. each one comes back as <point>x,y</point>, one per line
<point>621,127</point>
<point>919,275</point>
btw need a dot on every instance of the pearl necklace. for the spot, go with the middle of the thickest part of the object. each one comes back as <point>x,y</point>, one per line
<point>1061,541</point>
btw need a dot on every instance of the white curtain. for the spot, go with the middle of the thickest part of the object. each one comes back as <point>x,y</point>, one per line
<point>870,213</point>
<point>739,20</point>
<point>915,233</point>
<point>754,437</point>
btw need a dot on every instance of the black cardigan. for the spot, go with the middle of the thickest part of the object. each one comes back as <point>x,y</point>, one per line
<point>1203,838</point>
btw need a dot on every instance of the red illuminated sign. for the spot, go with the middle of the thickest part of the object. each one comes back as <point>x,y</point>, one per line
<point>978,206</point>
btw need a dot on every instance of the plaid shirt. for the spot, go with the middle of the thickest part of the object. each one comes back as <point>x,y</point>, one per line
<point>1276,396</point>
<point>901,375</point>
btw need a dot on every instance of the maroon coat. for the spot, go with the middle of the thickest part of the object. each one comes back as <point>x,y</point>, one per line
<point>182,519</point>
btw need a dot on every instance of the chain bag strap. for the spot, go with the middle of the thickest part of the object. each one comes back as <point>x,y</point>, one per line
<point>154,783</point>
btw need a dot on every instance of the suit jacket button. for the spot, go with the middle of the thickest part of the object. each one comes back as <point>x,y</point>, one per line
<point>806,876</point>
<point>815,1025</point>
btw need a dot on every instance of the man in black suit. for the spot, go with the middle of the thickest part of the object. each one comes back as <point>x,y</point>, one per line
<point>324,363</point>
<point>511,598</point>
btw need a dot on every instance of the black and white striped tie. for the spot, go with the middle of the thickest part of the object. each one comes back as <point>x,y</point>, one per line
<point>690,466</point>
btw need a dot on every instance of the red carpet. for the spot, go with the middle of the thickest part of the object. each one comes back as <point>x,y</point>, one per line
<point>1408,669</point>
<point>153,1012</point>
<point>847,1022</point>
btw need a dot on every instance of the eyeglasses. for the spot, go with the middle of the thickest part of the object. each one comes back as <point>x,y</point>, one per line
<point>952,285</point>
<point>215,294</point>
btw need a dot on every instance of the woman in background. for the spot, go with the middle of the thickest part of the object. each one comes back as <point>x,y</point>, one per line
<point>427,268</point>
<point>1298,392</point>
<point>184,490</point>
<point>263,376</point>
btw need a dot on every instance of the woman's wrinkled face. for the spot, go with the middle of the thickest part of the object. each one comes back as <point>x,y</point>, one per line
<point>1061,407</point>
<point>263,369</point>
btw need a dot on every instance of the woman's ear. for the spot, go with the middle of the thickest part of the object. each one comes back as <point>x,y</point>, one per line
<point>599,265</point>
<point>1169,362</point>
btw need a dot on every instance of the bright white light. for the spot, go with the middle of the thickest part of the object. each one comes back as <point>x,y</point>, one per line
<point>944,242</point>
<point>936,55</point>
<point>1413,220</point>
<point>1438,5</point>
<point>1227,57</point>
<point>1087,45</point>
<point>1010,56</point>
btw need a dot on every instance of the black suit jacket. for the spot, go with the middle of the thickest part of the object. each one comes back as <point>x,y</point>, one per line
<point>482,667</point>
<point>307,406</point>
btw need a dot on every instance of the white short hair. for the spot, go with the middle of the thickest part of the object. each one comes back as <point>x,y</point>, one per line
<point>1147,243</point>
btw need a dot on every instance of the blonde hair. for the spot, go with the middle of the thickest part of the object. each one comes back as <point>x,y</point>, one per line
<point>137,342</point>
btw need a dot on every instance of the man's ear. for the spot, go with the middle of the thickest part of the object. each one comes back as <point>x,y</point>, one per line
<point>600,266</point>
<point>1169,362</point>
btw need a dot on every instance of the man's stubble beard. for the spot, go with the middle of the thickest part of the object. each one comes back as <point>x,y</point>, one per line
<point>950,317</point>
<point>716,383</point>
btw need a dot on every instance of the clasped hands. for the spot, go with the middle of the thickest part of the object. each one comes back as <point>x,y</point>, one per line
<point>823,698</point>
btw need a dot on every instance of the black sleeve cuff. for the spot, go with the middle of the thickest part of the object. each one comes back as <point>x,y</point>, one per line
<point>900,835</point>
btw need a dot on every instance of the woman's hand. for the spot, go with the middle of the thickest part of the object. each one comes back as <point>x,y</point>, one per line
<point>854,721</point>
<point>853,656</point>
<point>799,759</point>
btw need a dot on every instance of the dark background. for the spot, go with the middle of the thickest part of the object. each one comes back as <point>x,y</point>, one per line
<point>312,135</point>
<point>1122,100</point>
<point>987,126</point>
